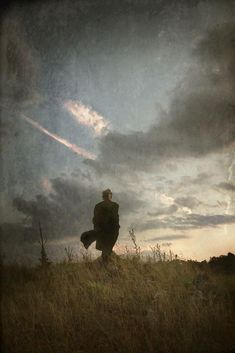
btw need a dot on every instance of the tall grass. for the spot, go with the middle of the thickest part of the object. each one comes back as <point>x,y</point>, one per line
<point>128,306</point>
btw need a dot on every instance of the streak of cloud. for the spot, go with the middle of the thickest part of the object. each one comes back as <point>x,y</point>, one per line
<point>165,211</point>
<point>191,221</point>
<point>74,148</point>
<point>169,237</point>
<point>228,198</point>
<point>86,116</point>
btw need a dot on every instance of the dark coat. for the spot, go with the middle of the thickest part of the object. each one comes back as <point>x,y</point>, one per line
<point>106,226</point>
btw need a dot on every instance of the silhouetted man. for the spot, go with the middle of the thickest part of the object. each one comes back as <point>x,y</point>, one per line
<point>106,226</point>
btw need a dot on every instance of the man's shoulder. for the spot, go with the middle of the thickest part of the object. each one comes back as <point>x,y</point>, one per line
<point>115,204</point>
<point>99,204</point>
<point>105,204</point>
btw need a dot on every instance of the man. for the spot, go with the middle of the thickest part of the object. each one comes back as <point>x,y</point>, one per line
<point>106,226</point>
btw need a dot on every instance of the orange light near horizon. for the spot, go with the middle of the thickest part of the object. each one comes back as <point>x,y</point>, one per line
<point>74,148</point>
<point>87,116</point>
<point>46,185</point>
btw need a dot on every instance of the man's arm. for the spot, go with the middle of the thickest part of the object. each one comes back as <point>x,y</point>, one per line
<point>96,217</point>
<point>117,216</point>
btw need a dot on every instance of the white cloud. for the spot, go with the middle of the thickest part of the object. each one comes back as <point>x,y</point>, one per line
<point>87,116</point>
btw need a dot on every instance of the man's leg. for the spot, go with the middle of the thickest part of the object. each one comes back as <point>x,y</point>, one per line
<point>108,247</point>
<point>106,252</point>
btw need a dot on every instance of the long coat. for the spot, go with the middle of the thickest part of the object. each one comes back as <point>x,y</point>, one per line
<point>106,226</point>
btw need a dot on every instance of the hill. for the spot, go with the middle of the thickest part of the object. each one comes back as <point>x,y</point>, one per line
<point>128,306</point>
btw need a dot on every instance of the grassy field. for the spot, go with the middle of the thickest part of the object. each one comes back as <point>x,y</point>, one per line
<point>128,306</point>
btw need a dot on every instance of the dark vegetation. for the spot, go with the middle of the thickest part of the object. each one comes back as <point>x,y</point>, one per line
<point>160,304</point>
<point>223,263</point>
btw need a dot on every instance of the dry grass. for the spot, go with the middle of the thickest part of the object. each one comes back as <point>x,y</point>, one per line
<point>130,306</point>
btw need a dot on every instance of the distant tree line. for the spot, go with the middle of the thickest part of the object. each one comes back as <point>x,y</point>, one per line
<point>223,263</point>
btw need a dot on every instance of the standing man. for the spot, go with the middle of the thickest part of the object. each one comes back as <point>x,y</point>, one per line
<point>106,226</point>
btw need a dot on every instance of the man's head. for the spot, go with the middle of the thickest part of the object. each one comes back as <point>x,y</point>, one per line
<point>107,194</point>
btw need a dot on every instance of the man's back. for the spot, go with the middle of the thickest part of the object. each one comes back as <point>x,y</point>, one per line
<point>106,216</point>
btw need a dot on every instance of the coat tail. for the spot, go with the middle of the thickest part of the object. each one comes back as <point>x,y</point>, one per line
<point>87,238</point>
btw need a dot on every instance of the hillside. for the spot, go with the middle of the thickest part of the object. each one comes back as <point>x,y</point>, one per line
<point>128,306</point>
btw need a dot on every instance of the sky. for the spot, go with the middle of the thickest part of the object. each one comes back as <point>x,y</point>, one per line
<point>137,96</point>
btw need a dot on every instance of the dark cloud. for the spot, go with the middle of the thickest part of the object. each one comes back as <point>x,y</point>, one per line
<point>217,50</point>
<point>68,210</point>
<point>7,130</point>
<point>187,201</point>
<point>65,212</point>
<point>192,221</point>
<point>19,63</point>
<point>164,211</point>
<point>200,119</point>
<point>105,166</point>
<point>201,178</point>
<point>17,233</point>
<point>128,201</point>
<point>61,34</point>
<point>173,167</point>
<point>226,186</point>
<point>196,125</point>
<point>169,237</point>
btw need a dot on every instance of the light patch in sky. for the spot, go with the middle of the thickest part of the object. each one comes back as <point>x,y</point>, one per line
<point>165,199</point>
<point>46,185</point>
<point>74,148</point>
<point>87,116</point>
<point>185,210</point>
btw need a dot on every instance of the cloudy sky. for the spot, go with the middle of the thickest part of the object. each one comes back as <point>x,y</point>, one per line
<point>133,95</point>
